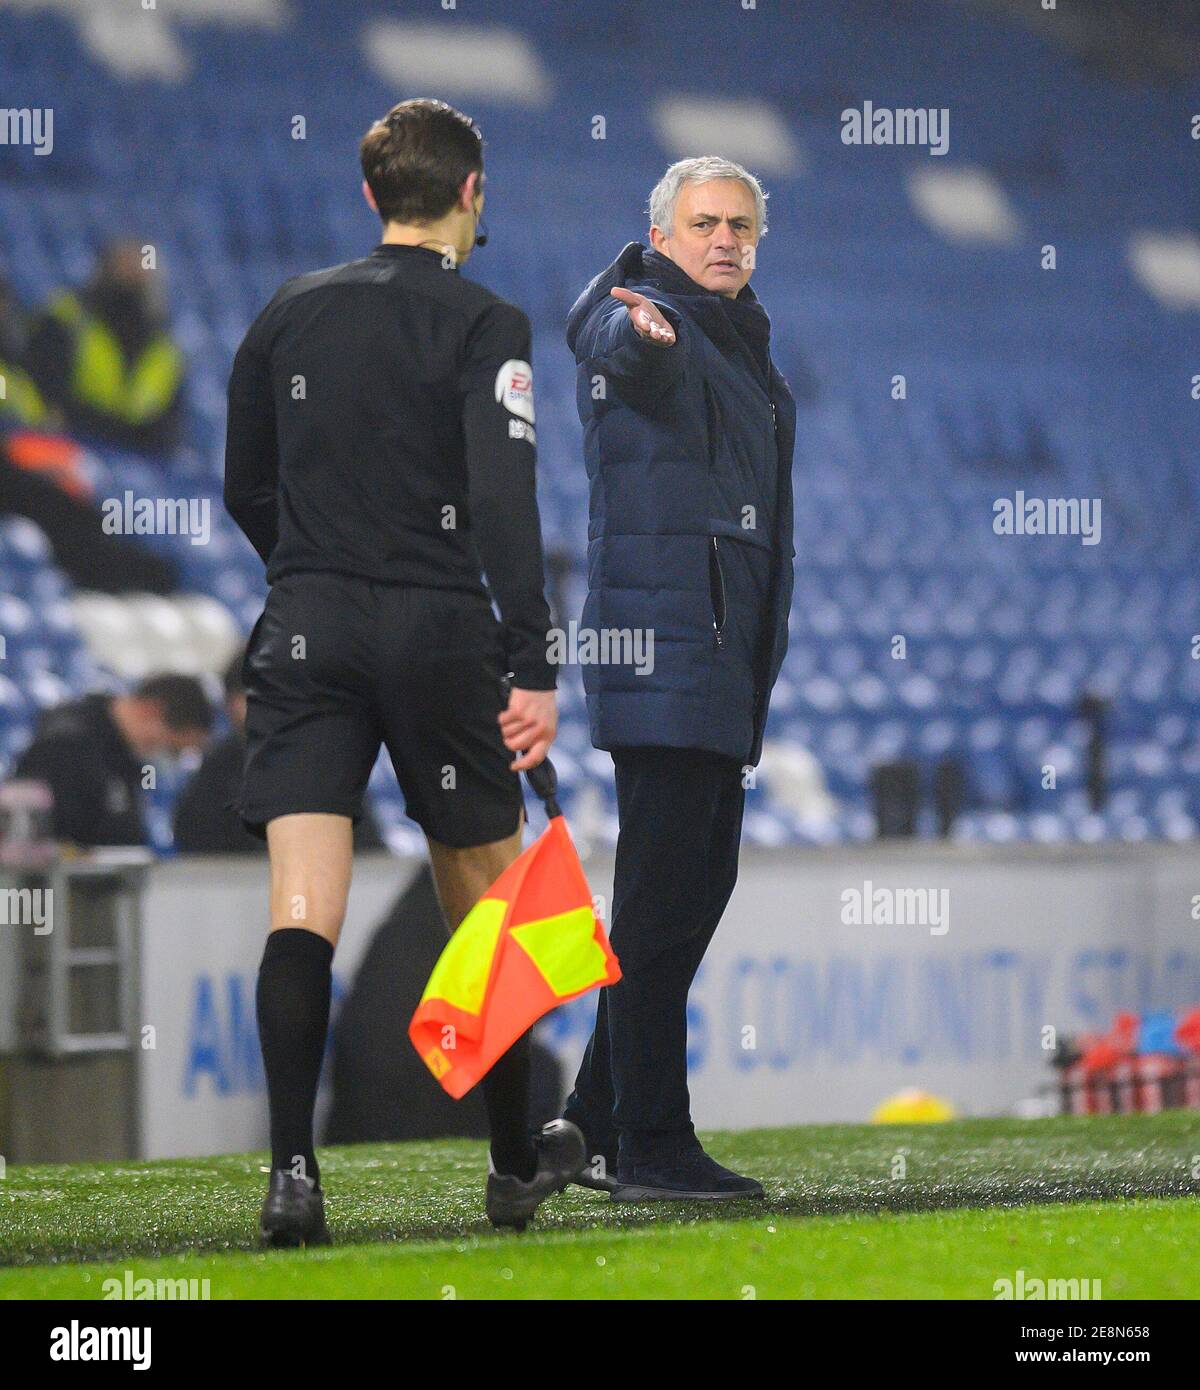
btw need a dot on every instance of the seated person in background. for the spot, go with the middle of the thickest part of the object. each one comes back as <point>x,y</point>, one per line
<point>93,754</point>
<point>205,821</point>
<point>21,403</point>
<point>42,477</point>
<point>103,358</point>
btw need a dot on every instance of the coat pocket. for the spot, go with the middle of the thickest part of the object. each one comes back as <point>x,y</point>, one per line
<point>712,420</point>
<point>716,591</point>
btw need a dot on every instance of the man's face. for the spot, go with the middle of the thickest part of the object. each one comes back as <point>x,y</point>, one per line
<point>714,234</point>
<point>122,264</point>
<point>152,737</point>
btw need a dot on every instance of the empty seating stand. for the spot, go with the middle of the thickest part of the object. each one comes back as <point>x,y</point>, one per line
<point>918,632</point>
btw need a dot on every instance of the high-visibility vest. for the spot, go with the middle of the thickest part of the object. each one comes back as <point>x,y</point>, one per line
<point>19,397</point>
<point>135,393</point>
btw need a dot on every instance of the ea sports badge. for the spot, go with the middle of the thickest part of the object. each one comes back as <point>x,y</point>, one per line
<point>514,388</point>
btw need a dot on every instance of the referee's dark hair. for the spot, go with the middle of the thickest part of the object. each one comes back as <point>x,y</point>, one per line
<point>416,158</point>
<point>184,703</point>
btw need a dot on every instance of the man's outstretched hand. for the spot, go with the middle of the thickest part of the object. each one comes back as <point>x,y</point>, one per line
<point>528,726</point>
<point>648,320</point>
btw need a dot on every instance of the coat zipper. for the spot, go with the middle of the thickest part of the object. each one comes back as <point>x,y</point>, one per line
<point>719,627</point>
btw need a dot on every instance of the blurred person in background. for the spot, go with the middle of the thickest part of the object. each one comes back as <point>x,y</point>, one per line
<point>206,817</point>
<point>42,478</point>
<point>688,435</point>
<point>21,403</point>
<point>93,754</point>
<point>103,358</point>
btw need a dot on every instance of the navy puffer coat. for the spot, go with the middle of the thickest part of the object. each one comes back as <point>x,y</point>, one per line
<point>689,459</point>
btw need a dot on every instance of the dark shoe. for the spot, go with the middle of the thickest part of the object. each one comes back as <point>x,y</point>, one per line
<point>561,1153</point>
<point>599,1172</point>
<point>692,1177</point>
<point>293,1214</point>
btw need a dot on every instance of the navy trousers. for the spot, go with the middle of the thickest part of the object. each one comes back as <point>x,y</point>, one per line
<point>680,813</point>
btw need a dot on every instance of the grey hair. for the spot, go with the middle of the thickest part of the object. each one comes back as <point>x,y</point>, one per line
<point>710,166</point>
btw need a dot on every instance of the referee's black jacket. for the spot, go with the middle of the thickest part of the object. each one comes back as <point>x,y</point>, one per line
<point>381,425</point>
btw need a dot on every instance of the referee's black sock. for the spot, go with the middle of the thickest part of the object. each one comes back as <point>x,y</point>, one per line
<point>294,982</point>
<point>506,1095</point>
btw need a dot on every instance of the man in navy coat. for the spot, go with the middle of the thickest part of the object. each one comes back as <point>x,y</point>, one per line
<point>688,436</point>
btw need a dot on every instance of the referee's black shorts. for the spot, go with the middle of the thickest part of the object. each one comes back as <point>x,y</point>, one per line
<point>337,665</point>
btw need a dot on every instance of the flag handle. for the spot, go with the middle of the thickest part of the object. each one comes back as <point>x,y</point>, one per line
<point>543,778</point>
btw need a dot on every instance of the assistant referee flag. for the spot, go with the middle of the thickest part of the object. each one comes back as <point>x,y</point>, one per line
<point>532,942</point>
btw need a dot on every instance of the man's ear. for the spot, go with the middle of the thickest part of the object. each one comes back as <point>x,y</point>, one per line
<point>369,196</point>
<point>658,240</point>
<point>469,191</point>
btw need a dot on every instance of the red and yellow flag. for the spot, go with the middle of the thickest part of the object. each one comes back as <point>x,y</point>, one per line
<point>532,942</point>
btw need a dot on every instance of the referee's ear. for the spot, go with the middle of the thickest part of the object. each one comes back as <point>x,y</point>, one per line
<point>472,186</point>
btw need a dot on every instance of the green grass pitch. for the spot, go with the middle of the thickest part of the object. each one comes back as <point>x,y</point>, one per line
<point>857,1211</point>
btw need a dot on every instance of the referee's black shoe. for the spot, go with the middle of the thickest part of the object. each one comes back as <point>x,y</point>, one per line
<point>561,1153</point>
<point>293,1214</point>
<point>599,1173</point>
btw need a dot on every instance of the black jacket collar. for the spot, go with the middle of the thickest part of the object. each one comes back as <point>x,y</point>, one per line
<point>717,313</point>
<point>393,250</point>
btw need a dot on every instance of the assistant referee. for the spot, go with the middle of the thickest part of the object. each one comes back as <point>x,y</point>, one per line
<point>380,454</point>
